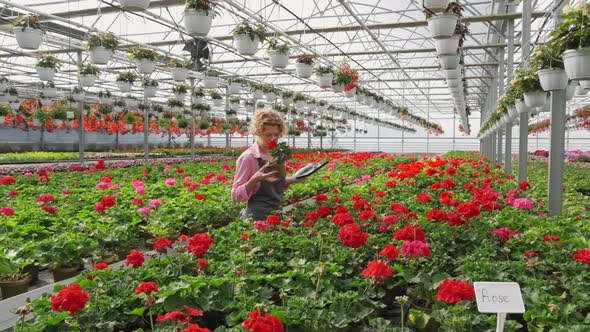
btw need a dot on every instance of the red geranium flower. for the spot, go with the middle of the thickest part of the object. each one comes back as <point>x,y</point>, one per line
<point>504,233</point>
<point>195,328</point>
<point>390,252</point>
<point>367,214</point>
<point>309,224</point>
<point>175,316</point>
<point>45,198</point>
<point>530,254</point>
<point>582,256</point>
<point>245,236</point>
<point>415,249</point>
<point>321,198</point>
<point>99,207</point>
<point>352,236</point>
<point>452,292</point>
<point>135,258</point>
<point>410,233</point>
<point>379,270</point>
<point>272,145</point>
<point>468,210</point>
<point>49,209</point>
<point>257,323</point>
<point>7,180</point>
<point>524,186</point>
<point>101,266</point>
<point>424,198</point>
<point>312,216</point>
<point>147,288</point>
<point>162,244</point>
<point>342,219</point>
<point>273,220</point>
<point>324,211</point>
<point>70,298</point>
<point>108,201</point>
<point>7,211</point>
<point>199,244</point>
<point>200,197</point>
<point>203,263</point>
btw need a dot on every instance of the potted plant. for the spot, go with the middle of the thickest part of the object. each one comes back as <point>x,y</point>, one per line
<point>49,89</point>
<point>180,91</point>
<point>217,98</point>
<point>299,100</point>
<point>210,79</point>
<point>197,96</point>
<point>270,92</point>
<point>325,76</point>
<point>311,104</point>
<point>130,120</point>
<point>247,37</point>
<point>3,84</point>
<point>135,4</point>
<point>203,124</point>
<point>528,82</point>
<point>41,117</point>
<point>548,63</point>
<point>573,38</point>
<point>175,105</point>
<point>88,75</point>
<point>230,114</point>
<point>11,94</point>
<point>203,110</point>
<point>304,64</point>
<point>150,87</point>
<point>78,94</point>
<point>179,69</point>
<point>322,105</point>
<point>235,86</point>
<point>47,66</point>
<point>279,153</point>
<point>435,6</point>
<point>13,281</point>
<point>449,61</point>
<point>119,105</point>
<point>278,53</point>
<point>132,102</point>
<point>287,97</point>
<point>181,123</point>
<point>14,105</point>
<point>234,103</point>
<point>28,32</point>
<point>125,80</point>
<point>256,90</point>
<point>248,105</point>
<point>571,90</point>
<point>145,59</point>
<point>260,105</point>
<point>443,25</point>
<point>345,79</point>
<point>198,16</point>
<point>104,97</point>
<point>101,47</point>
<point>60,113</point>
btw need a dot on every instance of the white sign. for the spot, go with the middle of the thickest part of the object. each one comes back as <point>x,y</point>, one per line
<point>498,297</point>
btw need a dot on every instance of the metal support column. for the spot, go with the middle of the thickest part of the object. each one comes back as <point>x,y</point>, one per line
<point>509,71</point>
<point>192,138</point>
<point>81,131</point>
<point>556,150</point>
<point>378,131</point>
<point>146,124</point>
<point>354,137</point>
<point>524,130</point>
<point>500,80</point>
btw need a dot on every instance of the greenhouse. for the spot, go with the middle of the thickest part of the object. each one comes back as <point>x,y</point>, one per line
<point>310,165</point>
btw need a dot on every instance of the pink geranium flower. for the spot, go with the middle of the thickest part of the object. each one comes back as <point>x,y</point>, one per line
<point>170,182</point>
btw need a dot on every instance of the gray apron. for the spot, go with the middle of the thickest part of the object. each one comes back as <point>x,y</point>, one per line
<point>268,198</point>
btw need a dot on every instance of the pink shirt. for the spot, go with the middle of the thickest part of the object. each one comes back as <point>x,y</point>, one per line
<point>246,167</point>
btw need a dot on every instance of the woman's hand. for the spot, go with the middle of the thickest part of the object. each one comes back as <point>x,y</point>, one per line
<point>261,176</point>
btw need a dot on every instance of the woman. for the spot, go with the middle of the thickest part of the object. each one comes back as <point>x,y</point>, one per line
<point>260,187</point>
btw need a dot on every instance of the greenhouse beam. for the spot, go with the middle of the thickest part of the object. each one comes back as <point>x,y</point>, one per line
<point>509,71</point>
<point>524,130</point>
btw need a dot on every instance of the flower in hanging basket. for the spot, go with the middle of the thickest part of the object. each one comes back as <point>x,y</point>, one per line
<point>127,76</point>
<point>346,76</point>
<point>138,53</point>
<point>48,61</point>
<point>252,31</point>
<point>106,40</point>
<point>306,58</point>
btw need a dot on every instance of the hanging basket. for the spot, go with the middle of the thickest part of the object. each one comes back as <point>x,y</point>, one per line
<point>325,80</point>
<point>179,74</point>
<point>88,80</point>
<point>196,100</point>
<point>14,105</point>
<point>300,104</point>
<point>585,84</point>
<point>145,66</point>
<point>197,22</point>
<point>124,86</point>
<point>535,98</point>
<point>452,73</point>
<point>257,94</point>
<point>150,91</point>
<point>210,82</point>
<point>287,101</point>
<point>278,59</point>
<point>435,5</point>
<point>442,25</point>
<point>234,88</point>
<point>447,45</point>
<point>271,97</point>
<point>180,96</point>
<point>303,70</point>
<point>577,63</point>
<point>553,79</point>
<point>29,38</point>
<point>449,61</point>
<point>217,102</point>
<point>368,100</point>
<point>78,96</point>
<point>50,92</point>
<point>46,74</point>
<point>46,101</point>
<point>454,83</point>
<point>234,106</point>
<point>135,4</point>
<point>580,91</point>
<point>249,108</point>
<point>100,55</point>
<point>106,101</point>
<point>570,91</point>
<point>338,87</point>
<point>245,45</point>
<point>521,107</point>
<point>350,93</point>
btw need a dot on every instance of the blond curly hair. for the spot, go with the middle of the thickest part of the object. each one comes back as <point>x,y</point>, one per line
<point>267,118</point>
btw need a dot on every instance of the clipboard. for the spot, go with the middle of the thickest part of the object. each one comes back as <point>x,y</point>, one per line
<point>312,170</point>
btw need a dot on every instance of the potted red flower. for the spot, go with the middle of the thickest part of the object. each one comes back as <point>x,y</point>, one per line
<point>279,153</point>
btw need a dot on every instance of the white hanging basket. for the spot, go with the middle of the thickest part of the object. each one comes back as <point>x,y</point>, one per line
<point>577,63</point>
<point>570,91</point>
<point>300,104</point>
<point>234,88</point>
<point>46,101</point>
<point>124,86</point>
<point>3,86</point>
<point>88,80</point>
<point>106,101</point>
<point>45,74</point>
<point>359,98</point>
<point>325,80</point>
<point>442,25</point>
<point>245,45</point>
<point>312,107</point>
<point>449,61</point>
<point>15,105</point>
<point>128,126</point>
<point>2,119</point>
<point>197,22</point>
<point>79,96</point>
<point>368,100</point>
<point>29,38</point>
<point>145,66</point>
<point>117,109</point>
<point>100,55</point>
<point>585,84</point>
<point>150,91</point>
<point>210,82</point>
<point>435,5</point>
<point>535,98</point>
<point>580,91</point>
<point>180,96</point>
<point>447,45</point>
<point>179,74</point>
<point>278,59</point>
<point>303,70</point>
<point>452,73</point>
<point>217,102</point>
<point>553,79</point>
<point>249,108</point>
<point>132,103</point>
<point>196,100</point>
<point>135,4</point>
<point>521,106</point>
<point>271,97</point>
<point>234,106</point>
<point>50,92</point>
<point>287,101</point>
<point>350,93</point>
<point>257,94</point>
<point>454,83</point>
<point>338,87</point>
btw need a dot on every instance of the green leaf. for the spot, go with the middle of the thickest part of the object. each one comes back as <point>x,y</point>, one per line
<point>138,311</point>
